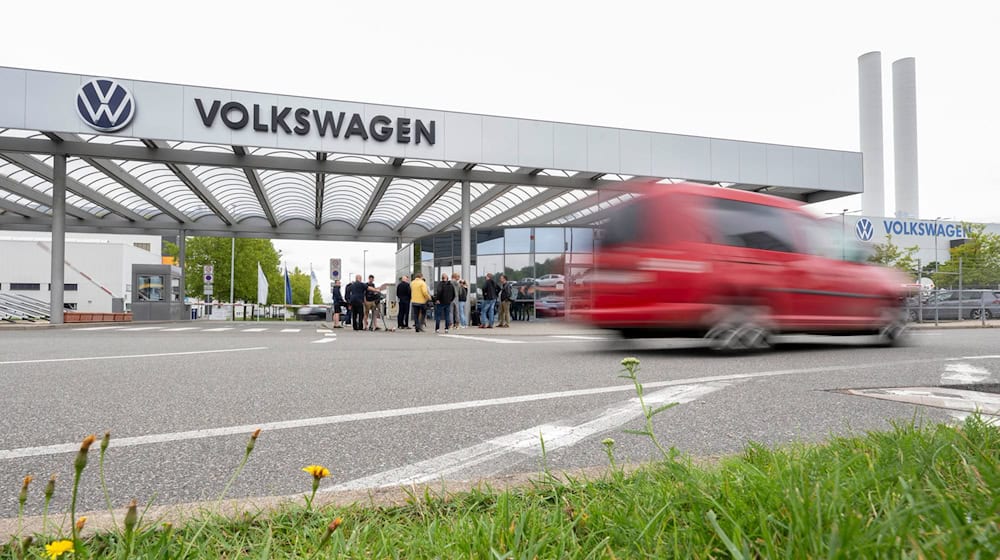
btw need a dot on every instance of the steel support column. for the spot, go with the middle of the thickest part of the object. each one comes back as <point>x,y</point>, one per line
<point>58,276</point>
<point>181,259</point>
<point>467,233</point>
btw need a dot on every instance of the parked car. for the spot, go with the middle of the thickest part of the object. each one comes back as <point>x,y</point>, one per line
<point>951,305</point>
<point>311,313</point>
<point>734,267</point>
<point>551,281</point>
<point>550,306</point>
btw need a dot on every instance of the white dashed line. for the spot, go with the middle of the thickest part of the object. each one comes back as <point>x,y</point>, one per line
<point>99,328</point>
<point>290,330</point>
<point>483,339</point>
<point>218,329</point>
<point>142,329</point>
<point>323,340</point>
<point>253,330</point>
<point>90,358</point>
<point>180,329</point>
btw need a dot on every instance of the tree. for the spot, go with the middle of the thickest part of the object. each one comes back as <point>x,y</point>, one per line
<point>979,258</point>
<point>217,251</point>
<point>890,254</point>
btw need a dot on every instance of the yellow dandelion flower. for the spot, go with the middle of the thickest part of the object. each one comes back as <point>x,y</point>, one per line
<point>317,471</point>
<point>58,548</point>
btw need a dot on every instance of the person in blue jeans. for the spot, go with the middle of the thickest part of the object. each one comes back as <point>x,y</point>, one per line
<point>490,291</point>
<point>444,296</point>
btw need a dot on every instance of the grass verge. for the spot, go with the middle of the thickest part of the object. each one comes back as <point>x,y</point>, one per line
<point>913,491</point>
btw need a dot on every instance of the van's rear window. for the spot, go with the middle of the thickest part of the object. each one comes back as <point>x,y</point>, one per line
<point>623,227</point>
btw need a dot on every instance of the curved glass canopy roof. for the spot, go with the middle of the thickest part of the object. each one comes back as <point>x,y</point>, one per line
<point>136,184</point>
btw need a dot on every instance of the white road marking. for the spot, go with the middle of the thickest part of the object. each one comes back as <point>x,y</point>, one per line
<point>964,373</point>
<point>129,356</point>
<point>290,330</point>
<point>330,334</point>
<point>577,337</point>
<point>483,339</point>
<point>99,328</point>
<point>984,357</point>
<point>938,397</point>
<point>524,442</point>
<point>324,340</point>
<point>427,409</point>
<point>180,329</point>
<point>218,329</point>
<point>323,331</point>
<point>253,330</point>
<point>141,329</point>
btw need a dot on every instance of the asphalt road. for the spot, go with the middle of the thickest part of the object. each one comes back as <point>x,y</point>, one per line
<point>382,408</point>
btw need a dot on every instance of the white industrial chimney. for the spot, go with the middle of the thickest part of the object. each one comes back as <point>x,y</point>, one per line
<point>904,133</point>
<point>870,111</point>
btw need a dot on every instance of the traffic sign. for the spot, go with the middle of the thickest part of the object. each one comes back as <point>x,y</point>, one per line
<point>334,269</point>
<point>209,269</point>
<point>209,289</point>
<point>208,278</point>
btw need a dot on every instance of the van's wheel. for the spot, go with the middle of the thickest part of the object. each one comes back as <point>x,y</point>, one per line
<point>976,313</point>
<point>895,332</point>
<point>742,330</point>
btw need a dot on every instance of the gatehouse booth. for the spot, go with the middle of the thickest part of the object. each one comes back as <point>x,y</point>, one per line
<point>156,293</point>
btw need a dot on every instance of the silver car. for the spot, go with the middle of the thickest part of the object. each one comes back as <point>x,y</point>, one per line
<point>951,305</point>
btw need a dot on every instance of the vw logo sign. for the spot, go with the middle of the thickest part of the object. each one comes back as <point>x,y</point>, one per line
<point>105,105</point>
<point>864,229</point>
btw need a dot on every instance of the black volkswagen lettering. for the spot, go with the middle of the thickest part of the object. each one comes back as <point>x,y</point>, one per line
<point>302,118</point>
<point>234,107</point>
<point>356,127</point>
<point>209,118</point>
<point>328,122</point>
<point>403,130</point>
<point>257,125</point>
<point>424,132</point>
<point>383,132</point>
<point>278,119</point>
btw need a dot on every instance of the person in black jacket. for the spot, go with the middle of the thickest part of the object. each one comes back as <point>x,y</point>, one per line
<point>347,302</point>
<point>444,295</point>
<point>403,295</point>
<point>358,289</point>
<point>490,292</point>
<point>338,305</point>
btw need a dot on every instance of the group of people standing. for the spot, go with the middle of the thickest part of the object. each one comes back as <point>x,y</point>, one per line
<point>449,301</point>
<point>360,302</point>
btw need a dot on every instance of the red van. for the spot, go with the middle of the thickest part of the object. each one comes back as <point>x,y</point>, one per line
<point>733,266</point>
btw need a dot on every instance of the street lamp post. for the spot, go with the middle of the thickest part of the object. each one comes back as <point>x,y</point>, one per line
<point>937,264</point>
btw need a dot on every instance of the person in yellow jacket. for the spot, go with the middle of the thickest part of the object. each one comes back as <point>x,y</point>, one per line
<point>419,297</point>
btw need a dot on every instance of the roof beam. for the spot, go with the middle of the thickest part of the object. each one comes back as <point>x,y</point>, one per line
<point>162,154</point>
<point>186,176</point>
<point>436,192</point>
<point>493,193</point>
<point>578,206</point>
<point>39,168</point>
<point>22,210</point>
<point>320,191</point>
<point>28,193</point>
<point>258,189</point>
<point>517,210</point>
<point>126,179</point>
<point>589,219</point>
<point>373,200</point>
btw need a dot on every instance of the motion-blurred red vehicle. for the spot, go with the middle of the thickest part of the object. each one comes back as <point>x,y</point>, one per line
<point>734,267</point>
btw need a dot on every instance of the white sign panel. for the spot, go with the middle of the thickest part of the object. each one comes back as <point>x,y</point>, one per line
<point>334,269</point>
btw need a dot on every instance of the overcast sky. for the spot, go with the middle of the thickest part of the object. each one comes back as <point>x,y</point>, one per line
<point>769,71</point>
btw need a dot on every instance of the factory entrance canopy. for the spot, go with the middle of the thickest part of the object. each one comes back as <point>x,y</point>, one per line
<point>147,157</point>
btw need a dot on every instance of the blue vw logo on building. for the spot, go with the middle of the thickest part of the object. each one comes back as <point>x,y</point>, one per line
<point>105,105</point>
<point>864,229</point>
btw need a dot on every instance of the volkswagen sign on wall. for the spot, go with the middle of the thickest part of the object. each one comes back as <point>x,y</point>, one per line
<point>864,229</point>
<point>105,105</point>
